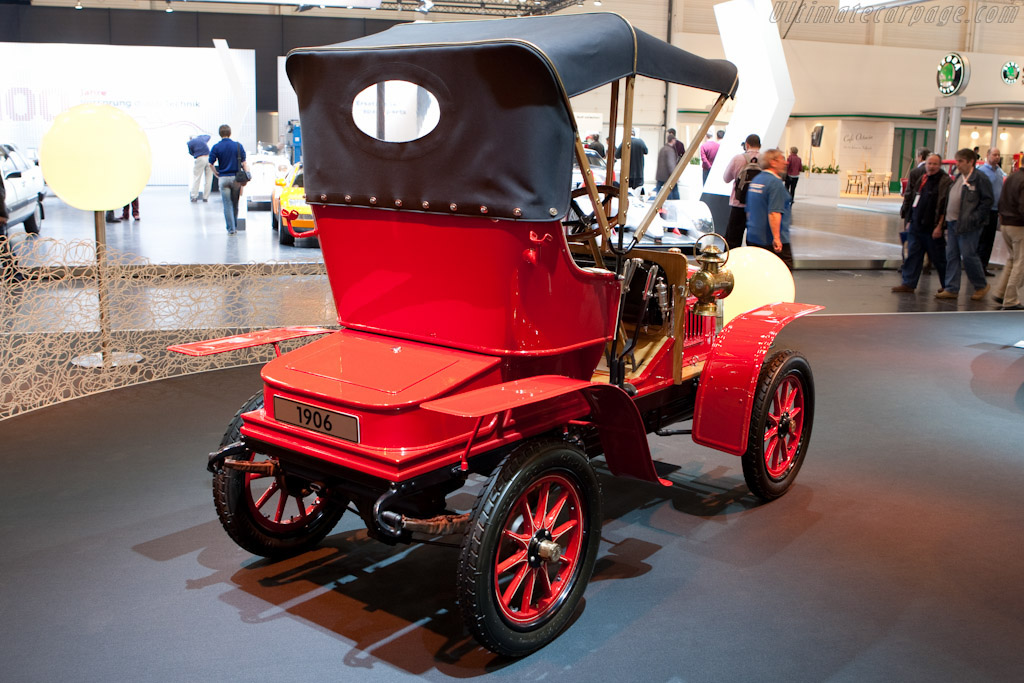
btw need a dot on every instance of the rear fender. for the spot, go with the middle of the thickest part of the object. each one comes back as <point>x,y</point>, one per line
<point>725,397</point>
<point>619,425</point>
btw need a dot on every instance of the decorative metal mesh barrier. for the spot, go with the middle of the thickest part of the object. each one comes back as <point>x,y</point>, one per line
<point>69,329</point>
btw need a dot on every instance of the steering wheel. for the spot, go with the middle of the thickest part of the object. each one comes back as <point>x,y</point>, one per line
<point>582,226</point>
<point>698,249</point>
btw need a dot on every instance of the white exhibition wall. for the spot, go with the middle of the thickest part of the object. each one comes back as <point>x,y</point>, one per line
<point>287,101</point>
<point>881,81</point>
<point>172,92</point>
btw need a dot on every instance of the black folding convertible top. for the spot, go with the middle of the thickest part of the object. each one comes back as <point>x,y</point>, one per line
<point>503,145</point>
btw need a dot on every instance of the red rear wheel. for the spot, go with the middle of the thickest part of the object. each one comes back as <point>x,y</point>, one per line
<point>273,515</point>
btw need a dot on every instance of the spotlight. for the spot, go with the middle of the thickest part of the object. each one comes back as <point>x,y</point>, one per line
<point>1004,136</point>
<point>974,135</point>
<point>169,9</point>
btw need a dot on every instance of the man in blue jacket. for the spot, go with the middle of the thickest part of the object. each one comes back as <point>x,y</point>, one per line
<point>769,208</point>
<point>225,158</point>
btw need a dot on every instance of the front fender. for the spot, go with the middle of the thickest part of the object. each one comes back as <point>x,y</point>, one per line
<point>725,397</point>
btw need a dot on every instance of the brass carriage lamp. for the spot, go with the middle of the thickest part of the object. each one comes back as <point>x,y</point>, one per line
<point>713,281</point>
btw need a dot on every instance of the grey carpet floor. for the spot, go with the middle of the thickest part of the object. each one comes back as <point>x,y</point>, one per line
<point>897,555</point>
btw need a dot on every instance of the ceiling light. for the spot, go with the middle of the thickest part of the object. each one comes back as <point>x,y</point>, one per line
<point>169,9</point>
<point>79,6</point>
<point>974,135</point>
<point>1004,136</point>
<point>597,3</point>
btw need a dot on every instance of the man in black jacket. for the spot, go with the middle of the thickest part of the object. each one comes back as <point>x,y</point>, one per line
<point>970,200</point>
<point>638,148</point>
<point>1010,287</point>
<point>926,201</point>
<point>913,182</point>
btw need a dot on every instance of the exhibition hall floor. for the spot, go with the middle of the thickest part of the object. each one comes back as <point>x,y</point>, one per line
<point>174,230</point>
<point>896,556</point>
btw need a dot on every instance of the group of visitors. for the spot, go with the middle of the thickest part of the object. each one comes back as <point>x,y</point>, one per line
<point>954,220</point>
<point>223,161</point>
<point>760,200</point>
<point>668,157</point>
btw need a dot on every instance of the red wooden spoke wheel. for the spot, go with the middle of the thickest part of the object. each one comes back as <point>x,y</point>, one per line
<point>784,425</point>
<point>780,425</point>
<point>271,515</point>
<point>278,503</point>
<point>533,539</point>
<point>539,550</point>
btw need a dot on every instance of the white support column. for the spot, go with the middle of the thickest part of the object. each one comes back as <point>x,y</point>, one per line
<point>956,109</point>
<point>995,128</point>
<point>765,96</point>
<point>941,123</point>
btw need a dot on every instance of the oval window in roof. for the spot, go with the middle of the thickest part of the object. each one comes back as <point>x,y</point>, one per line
<point>396,111</point>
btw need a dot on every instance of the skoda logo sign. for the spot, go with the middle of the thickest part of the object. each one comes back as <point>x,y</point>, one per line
<point>1011,72</point>
<point>954,72</point>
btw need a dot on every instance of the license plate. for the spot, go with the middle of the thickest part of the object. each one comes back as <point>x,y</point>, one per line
<point>316,419</point>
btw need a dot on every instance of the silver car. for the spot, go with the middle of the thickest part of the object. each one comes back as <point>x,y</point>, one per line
<point>23,183</point>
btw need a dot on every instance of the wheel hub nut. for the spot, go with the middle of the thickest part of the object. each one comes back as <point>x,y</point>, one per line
<point>784,424</point>
<point>549,551</point>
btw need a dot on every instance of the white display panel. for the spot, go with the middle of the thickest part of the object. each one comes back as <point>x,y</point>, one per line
<point>287,101</point>
<point>174,93</point>
<point>764,98</point>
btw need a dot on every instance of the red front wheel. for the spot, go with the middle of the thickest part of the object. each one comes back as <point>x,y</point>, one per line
<point>531,548</point>
<point>780,425</point>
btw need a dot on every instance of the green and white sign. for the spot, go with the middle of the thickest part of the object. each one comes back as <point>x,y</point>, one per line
<point>953,74</point>
<point>1011,72</point>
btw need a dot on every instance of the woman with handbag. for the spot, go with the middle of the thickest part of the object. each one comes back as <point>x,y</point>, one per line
<point>228,161</point>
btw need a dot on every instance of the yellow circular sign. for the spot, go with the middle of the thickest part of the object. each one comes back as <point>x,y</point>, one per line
<point>96,157</point>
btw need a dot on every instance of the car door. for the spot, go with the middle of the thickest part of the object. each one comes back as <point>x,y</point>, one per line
<point>14,185</point>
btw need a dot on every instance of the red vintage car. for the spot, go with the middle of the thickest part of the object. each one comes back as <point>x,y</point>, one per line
<point>484,332</point>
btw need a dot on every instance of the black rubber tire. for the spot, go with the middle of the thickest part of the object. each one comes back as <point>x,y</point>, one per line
<point>33,222</point>
<point>776,370</point>
<point>273,220</point>
<point>476,586</point>
<point>283,236</point>
<point>247,527</point>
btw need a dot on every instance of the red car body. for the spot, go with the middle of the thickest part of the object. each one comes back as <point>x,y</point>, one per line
<point>480,338</point>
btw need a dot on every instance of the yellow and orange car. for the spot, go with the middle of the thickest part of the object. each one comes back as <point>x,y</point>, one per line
<point>290,195</point>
